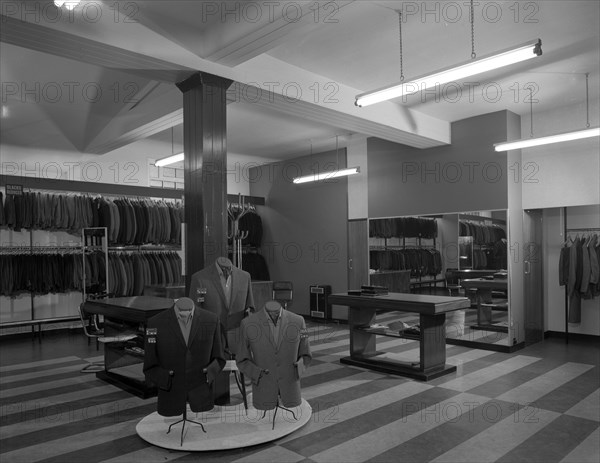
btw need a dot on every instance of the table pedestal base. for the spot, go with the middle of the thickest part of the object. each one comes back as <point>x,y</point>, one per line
<point>398,369</point>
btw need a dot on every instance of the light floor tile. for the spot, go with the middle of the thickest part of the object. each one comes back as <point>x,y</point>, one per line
<point>588,408</point>
<point>534,389</point>
<point>483,375</point>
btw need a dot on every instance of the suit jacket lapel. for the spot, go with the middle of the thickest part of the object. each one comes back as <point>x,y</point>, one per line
<point>216,278</point>
<point>236,284</point>
<point>174,325</point>
<point>283,321</point>
<point>194,329</point>
<point>266,324</point>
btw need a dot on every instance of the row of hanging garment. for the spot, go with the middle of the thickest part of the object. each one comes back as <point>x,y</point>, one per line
<point>481,233</point>
<point>252,224</point>
<point>255,264</point>
<point>494,257</point>
<point>579,271</point>
<point>40,272</point>
<point>408,227</point>
<point>420,261</point>
<point>130,273</point>
<point>128,221</point>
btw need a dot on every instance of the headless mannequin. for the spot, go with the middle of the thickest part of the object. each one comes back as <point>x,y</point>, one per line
<point>273,309</point>
<point>225,264</point>
<point>183,309</point>
<point>184,305</point>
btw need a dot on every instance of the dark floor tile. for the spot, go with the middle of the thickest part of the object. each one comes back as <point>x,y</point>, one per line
<point>553,442</point>
<point>323,439</point>
<point>458,423</point>
<point>569,394</point>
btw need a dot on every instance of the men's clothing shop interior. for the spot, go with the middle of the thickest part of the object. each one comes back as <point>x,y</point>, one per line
<point>240,232</point>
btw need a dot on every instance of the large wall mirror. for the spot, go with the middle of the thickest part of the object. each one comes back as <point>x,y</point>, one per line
<point>457,254</point>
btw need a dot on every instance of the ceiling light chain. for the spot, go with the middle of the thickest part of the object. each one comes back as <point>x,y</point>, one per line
<point>400,34</point>
<point>588,132</point>
<point>587,99</point>
<point>473,54</point>
<point>531,110</point>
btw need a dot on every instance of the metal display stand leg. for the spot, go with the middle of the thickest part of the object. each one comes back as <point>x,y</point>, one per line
<point>275,414</point>
<point>184,419</point>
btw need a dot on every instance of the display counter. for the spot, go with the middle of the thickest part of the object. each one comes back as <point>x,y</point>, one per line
<point>125,320</point>
<point>432,336</point>
<point>486,302</point>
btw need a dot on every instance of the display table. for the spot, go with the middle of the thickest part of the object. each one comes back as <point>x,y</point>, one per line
<point>486,303</point>
<point>227,427</point>
<point>432,315</point>
<point>125,321</point>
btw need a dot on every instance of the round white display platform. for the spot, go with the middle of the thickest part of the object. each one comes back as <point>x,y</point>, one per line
<point>227,427</point>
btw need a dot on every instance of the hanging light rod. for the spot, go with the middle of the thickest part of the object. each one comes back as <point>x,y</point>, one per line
<point>476,66</point>
<point>327,175</point>
<point>558,138</point>
<point>169,160</point>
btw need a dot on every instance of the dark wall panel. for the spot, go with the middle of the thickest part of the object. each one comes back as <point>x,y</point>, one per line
<point>304,226</point>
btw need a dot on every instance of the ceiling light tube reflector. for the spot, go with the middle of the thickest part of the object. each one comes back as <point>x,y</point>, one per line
<point>327,175</point>
<point>169,160</point>
<point>455,73</point>
<point>558,138</point>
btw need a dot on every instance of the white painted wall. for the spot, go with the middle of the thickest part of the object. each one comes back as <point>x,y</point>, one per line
<point>563,174</point>
<point>358,185</point>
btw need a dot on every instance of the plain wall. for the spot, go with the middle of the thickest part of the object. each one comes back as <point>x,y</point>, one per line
<point>467,175</point>
<point>562,174</point>
<point>304,226</point>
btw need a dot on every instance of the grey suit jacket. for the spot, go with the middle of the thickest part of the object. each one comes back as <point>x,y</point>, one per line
<point>285,360</point>
<point>214,300</point>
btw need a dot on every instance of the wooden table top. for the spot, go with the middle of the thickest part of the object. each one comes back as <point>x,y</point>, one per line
<point>135,308</point>
<point>403,302</point>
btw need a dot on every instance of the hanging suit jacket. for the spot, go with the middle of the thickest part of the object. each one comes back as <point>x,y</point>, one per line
<point>285,360</point>
<point>177,369</point>
<point>215,301</point>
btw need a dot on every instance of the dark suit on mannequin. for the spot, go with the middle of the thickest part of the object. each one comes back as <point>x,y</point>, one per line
<point>183,371</point>
<point>274,360</point>
<point>230,312</point>
<point>207,290</point>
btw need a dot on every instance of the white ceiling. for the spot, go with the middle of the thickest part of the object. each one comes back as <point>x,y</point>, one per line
<point>53,63</point>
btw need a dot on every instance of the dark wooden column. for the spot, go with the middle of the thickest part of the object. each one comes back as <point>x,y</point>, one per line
<point>205,164</point>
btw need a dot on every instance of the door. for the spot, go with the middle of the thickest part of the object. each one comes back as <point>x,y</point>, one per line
<point>533,276</point>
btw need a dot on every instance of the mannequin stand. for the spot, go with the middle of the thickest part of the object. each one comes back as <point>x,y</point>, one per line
<point>275,414</point>
<point>184,419</point>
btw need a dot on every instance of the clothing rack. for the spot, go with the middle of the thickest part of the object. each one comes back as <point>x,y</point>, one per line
<point>76,186</point>
<point>480,218</point>
<point>236,211</point>
<point>566,231</point>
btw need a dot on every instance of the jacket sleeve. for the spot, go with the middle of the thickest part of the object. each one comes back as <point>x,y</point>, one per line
<point>304,346</point>
<point>244,359</point>
<point>153,371</point>
<point>217,355</point>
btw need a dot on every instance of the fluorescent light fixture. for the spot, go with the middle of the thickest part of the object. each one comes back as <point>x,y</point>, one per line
<point>327,175</point>
<point>68,4</point>
<point>169,160</point>
<point>558,138</point>
<point>477,66</point>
